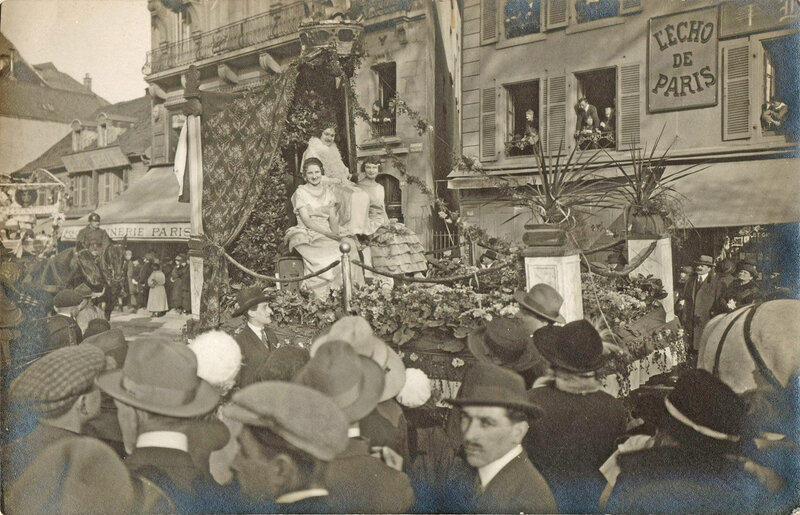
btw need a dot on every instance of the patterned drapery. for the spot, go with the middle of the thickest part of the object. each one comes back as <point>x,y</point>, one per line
<point>239,144</point>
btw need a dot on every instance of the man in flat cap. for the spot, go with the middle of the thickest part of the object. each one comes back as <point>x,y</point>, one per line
<point>157,392</point>
<point>358,481</point>
<point>62,329</point>
<point>58,390</point>
<point>289,435</point>
<point>254,337</point>
<point>495,412</point>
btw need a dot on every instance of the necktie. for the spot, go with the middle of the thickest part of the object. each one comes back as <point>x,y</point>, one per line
<point>264,338</point>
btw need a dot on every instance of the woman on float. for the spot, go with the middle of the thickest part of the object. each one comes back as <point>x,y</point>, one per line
<point>352,203</point>
<point>317,235</point>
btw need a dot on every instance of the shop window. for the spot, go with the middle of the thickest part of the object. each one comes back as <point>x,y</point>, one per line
<point>522,118</point>
<point>592,10</point>
<point>393,196</point>
<point>780,88</point>
<point>522,17</point>
<point>384,110</point>
<point>596,118</point>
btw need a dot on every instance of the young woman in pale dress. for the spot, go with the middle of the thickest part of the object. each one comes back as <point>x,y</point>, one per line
<point>352,203</point>
<point>394,247</point>
<point>317,235</point>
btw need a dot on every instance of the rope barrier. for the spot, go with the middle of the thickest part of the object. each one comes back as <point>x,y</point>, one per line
<point>443,280</point>
<point>273,279</point>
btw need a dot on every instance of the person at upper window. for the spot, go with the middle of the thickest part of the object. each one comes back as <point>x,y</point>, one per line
<point>522,17</point>
<point>587,128</point>
<point>773,114</point>
<point>352,202</point>
<point>608,123</point>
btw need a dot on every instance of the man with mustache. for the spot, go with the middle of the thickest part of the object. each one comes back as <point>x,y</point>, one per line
<point>494,419</point>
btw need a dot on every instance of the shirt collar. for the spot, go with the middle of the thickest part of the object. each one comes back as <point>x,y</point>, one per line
<point>702,278</point>
<point>299,495</point>
<point>490,470</point>
<point>255,329</point>
<point>165,439</point>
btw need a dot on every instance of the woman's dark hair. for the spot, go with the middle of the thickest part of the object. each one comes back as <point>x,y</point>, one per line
<point>312,161</point>
<point>371,160</point>
<point>156,266</point>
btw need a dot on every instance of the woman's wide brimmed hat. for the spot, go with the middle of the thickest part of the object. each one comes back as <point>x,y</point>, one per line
<point>542,300</point>
<point>485,384</point>
<point>503,342</point>
<point>247,298</point>
<point>748,267</point>
<point>575,347</point>
<point>160,377</point>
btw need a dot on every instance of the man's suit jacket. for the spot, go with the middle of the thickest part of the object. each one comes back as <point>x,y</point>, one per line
<point>518,487</point>
<point>701,299</point>
<point>174,472</point>
<point>359,483</point>
<point>591,112</point>
<point>254,352</point>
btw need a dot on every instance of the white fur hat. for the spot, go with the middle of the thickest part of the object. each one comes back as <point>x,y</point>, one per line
<point>417,389</point>
<point>219,358</point>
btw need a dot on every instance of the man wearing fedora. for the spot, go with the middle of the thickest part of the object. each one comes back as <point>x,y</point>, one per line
<point>358,482</point>
<point>157,392</point>
<point>289,435</point>
<point>580,423</point>
<point>62,329</point>
<point>701,294</point>
<point>495,416</point>
<point>254,337</point>
<point>538,307</point>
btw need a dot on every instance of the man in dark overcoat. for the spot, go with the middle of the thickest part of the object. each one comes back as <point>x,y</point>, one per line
<point>701,294</point>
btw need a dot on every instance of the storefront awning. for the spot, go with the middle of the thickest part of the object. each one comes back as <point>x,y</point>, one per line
<point>147,211</point>
<point>757,192</point>
<point>99,159</point>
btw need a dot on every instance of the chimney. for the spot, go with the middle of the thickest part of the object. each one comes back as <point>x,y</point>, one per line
<point>87,83</point>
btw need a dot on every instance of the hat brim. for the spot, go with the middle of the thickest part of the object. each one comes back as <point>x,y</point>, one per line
<point>712,265</point>
<point>519,296</point>
<point>551,351</point>
<point>371,391</point>
<point>527,407</point>
<point>252,302</point>
<point>394,376</point>
<point>204,400</point>
<point>476,343</point>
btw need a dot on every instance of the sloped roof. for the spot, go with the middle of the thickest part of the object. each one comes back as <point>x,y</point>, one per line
<point>57,79</point>
<point>135,140</point>
<point>22,70</point>
<point>26,100</point>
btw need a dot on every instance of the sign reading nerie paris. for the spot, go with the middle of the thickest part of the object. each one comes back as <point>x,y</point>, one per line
<point>682,61</point>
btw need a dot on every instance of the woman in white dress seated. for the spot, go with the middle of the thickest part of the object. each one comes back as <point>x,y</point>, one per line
<point>394,247</point>
<point>317,235</point>
<point>352,203</point>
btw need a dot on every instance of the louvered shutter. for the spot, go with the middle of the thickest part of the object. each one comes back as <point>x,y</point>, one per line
<point>736,92</point>
<point>488,124</point>
<point>556,114</point>
<point>488,21</point>
<point>630,106</point>
<point>630,6</point>
<point>556,14</point>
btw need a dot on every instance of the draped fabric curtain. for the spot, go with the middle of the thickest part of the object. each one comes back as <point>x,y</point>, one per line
<point>239,143</point>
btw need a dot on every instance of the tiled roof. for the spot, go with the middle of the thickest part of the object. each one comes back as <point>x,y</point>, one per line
<point>26,100</point>
<point>135,140</point>
<point>57,79</point>
<point>22,70</point>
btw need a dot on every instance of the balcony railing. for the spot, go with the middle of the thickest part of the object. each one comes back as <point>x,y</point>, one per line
<point>250,31</point>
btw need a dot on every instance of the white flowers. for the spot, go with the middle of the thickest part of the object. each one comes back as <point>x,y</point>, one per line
<point>457,363</point>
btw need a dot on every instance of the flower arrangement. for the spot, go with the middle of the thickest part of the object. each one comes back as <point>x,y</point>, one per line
<point>622,299</point>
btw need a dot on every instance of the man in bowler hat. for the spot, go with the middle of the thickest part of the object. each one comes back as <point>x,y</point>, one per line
<point>495,414</point>
<point>254,337</point>
<point>701,295</point>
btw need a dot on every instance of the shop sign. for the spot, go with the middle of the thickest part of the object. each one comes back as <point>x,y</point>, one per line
<point>15,210</point>
<point>682,61</point>
<point>133,231</point>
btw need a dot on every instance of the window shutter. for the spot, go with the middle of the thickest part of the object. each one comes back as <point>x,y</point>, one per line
<point>630,6</point>
<point>488,21</point>
<point>630,105</point>
<point>557,11</point>
<point>488,124</point>
<point>736,92</point>
<point>556,117</point>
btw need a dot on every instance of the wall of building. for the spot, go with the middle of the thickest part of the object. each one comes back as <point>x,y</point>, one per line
<point>23,140</point>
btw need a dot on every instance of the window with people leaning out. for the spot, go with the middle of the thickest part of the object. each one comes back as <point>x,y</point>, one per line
<point>522,17</point>
<point>384,110</point>
<point>595,110</point>
<point>781,90</point>
<point>522,120</point>
<point>591,10</point>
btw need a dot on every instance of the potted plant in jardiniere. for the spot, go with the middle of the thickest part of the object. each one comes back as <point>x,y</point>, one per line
<point>646,189</point>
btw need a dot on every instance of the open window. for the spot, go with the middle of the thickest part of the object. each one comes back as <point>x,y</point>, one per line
<point>780,90</point>
<point>393,196</point>
<point>384,110</point>
<point>522,118</point>
<point>596,112</point>
<point>593,10</point>
<point>522,17</point>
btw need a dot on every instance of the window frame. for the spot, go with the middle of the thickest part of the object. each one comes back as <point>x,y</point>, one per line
<point>380,92</point>
<point>757,90</point>
<point>507,134</point>
<point>577,93</point>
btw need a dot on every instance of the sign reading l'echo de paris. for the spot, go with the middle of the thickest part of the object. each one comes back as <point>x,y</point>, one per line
<point>682,61</point>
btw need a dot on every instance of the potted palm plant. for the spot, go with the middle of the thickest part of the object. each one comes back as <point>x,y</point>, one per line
<point>564,190</point>
<point>646,187</point>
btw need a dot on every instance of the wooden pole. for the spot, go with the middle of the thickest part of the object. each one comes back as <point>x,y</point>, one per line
<point>194,167</point>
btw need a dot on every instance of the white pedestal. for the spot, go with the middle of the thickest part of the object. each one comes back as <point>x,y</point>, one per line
<point>658,264</point>
<point>562,273</point>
